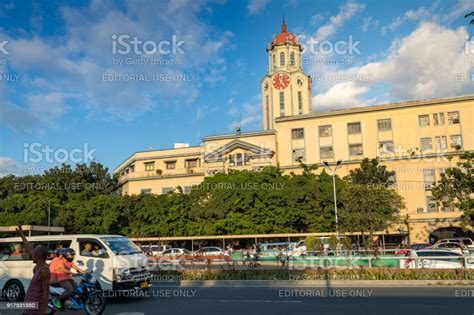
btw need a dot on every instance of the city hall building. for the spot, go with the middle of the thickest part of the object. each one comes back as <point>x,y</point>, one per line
<point>416,139</point>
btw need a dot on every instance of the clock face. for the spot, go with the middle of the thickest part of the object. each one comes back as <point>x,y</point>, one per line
<point>281,80</point>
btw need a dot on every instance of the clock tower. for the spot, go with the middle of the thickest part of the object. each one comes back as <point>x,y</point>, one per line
<point>286,89</point>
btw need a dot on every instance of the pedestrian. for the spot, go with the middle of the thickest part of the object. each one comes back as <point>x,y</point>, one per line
<point>38,290</point>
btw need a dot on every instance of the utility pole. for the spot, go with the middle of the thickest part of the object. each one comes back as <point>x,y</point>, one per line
<point>49,217</point>
<point>333,171</point>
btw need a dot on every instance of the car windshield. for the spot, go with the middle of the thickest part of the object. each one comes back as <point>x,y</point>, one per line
<point>121,245</point>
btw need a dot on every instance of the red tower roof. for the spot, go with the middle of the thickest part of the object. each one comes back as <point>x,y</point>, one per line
<point>284,36</point>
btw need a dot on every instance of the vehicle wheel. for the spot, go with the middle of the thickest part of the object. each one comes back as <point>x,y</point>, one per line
<point>14,291</point>
<point>95,304</point>
<point>50,310</point>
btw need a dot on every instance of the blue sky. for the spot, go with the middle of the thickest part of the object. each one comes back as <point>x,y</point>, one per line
<point>53,92</point>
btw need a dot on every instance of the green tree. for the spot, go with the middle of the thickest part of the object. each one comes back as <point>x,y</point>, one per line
<point>310,243</point>
<point>371,172</point>
<point>369,209</point>
<point>455,188</point>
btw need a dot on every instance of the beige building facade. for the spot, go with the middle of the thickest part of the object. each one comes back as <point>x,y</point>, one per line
<point>418,140</point>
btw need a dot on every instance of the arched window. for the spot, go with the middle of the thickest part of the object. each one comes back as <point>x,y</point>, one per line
<point>282,59</point>
<point>292,59</point>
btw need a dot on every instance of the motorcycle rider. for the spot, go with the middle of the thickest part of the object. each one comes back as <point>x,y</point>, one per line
<point>60,269</point>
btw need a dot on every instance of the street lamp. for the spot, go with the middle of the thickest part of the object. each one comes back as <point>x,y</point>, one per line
<point>49,217</point>
<point>333,171</point>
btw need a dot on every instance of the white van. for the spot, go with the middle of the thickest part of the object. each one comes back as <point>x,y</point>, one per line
<point>116,262</point>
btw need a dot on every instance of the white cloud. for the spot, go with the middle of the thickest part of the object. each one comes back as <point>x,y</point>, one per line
<point>422,65</point>
<point>65,72</point>
<point>255,6</point>
<point>369,22</point>
<point>342,95</point>
<point>248,116</point>
<point>346,12</point>
<point>410,15</point>
<point>8,166</point>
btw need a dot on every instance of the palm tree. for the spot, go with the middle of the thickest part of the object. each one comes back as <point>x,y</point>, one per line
<point>468,15</point>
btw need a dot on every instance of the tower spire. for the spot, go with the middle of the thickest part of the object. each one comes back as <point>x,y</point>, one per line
<point>283,25</point>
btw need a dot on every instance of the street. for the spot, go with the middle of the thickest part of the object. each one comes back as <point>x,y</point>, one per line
<point>291,298</point>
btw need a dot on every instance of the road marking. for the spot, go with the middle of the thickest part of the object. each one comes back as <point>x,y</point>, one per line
<point>250,301</point>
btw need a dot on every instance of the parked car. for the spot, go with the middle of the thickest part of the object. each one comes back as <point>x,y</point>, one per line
<point>157,250</point>
<point>175,252</point>
<point>436,259</point>
<point>419,246</point>
<point>452,246</point>
<point>466,241</point>
<point>210,251</point>
<point>299,249</point>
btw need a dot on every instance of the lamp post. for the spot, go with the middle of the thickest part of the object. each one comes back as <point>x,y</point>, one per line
<point>333,171</point>
<point>49,217</point>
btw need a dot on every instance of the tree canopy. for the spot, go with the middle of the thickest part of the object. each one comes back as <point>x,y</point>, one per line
<point>82,200</point>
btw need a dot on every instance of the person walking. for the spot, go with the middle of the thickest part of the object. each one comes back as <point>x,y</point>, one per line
<point>38,290</point>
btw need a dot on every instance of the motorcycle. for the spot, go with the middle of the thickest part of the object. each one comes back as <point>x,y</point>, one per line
<point>85,297</point>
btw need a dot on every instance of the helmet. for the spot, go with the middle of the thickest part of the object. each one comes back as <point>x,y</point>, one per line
<point>67,253</point>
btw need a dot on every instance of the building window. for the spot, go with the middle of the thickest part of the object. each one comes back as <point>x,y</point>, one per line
<point>166,190</point>
<point>453,118</point>
<point>282,59</point>
<point>326,152</point>
<point>145,191</point>
<point>282,103</point>
<point>429,178</point>
<point>170,165</point>
<point>356,150</point>
<point>267,107</point>
<point>426,144</point>
<point>149,166</point>
<point>384,124</point>
<point>386,147</point>
<point>191,163</point>
<point>325,131</point>
<point>424,120</point>
<point>237,159</point>
<point>292,59</point>
<point>298,155</point>
<point>438,119</point>
<point>431,205</point>
<point>456,142</point>
<point>297,133</point>
<point>274,60</point>
<point>441,143</point>
<point>300,102</point>
<point>353,128</point>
